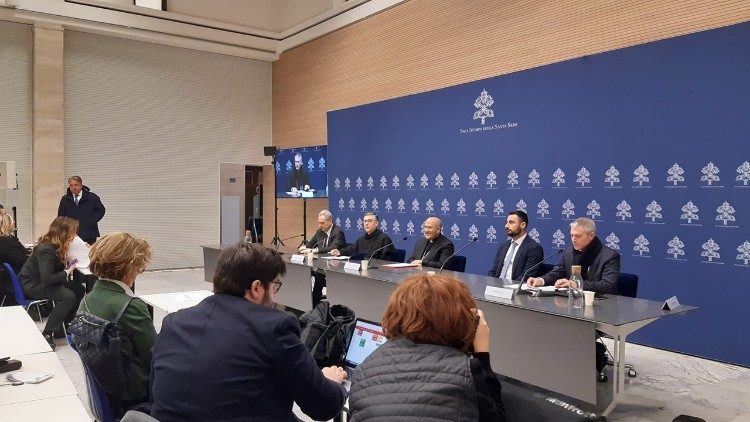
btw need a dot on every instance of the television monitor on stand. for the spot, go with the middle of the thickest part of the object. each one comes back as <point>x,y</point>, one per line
<point>302,172</point>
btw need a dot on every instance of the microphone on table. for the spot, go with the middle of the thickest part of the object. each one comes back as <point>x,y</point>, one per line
<point>382,247</point>
<point>520,283</point>
<point>472,240</point>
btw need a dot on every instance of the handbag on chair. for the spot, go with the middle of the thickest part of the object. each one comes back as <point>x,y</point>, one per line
<point>98,344</point>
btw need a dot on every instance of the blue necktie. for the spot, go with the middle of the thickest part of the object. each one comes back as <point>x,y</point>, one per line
<point>508,257</point>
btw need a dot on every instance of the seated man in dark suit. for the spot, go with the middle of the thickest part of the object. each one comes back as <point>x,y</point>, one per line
<point>374,243</point>
<point>328,237</point>
<point>600,265</point>
<point>434,248</point>
<point>235,357</point>
<point>520,253</point>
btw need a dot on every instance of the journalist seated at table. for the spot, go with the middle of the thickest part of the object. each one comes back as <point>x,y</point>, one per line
<point>117,259</point>
<point>374,243</point>
<point>12,252</point>
<point>47,275</point>
<point>600,265</point>
<point>436,362</point>
<point>434,248</point>
<point>235,357</point>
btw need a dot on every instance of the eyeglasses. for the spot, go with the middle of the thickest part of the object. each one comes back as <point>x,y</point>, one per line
<point>277,286</point>
<point>369,220</point>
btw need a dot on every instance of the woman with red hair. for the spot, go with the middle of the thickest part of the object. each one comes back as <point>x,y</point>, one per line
<point>436,362</point>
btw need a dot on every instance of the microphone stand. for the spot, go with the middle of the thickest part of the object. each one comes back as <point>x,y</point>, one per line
<point>382,247</point>
<point>454,253</point>
<point>276,240</point>
<point>521,282</point>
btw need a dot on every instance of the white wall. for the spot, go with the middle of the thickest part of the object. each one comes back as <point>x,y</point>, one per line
<point>146,127</point>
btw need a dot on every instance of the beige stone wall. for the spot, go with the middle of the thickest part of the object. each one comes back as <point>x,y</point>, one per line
<point>47,125</point>
<point>422,45</point>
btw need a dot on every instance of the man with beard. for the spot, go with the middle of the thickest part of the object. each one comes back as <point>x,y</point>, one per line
<point>234,356</point>
<point>520,253</point>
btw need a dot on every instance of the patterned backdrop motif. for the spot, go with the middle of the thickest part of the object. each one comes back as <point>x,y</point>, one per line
<point>650,141</point>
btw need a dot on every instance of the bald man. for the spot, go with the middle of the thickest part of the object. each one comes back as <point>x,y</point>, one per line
<point>434,248</point>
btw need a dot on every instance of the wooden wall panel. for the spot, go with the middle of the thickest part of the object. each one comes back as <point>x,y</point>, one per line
<point>421,45</point>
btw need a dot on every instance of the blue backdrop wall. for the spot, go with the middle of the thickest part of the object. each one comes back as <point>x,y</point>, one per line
<point>650,141</point>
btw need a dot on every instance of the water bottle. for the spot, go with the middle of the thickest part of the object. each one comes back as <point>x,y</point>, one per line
<point>575,292</point>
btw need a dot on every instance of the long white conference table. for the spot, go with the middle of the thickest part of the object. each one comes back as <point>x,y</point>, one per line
<point>538,340</point>
<point>53,399</point>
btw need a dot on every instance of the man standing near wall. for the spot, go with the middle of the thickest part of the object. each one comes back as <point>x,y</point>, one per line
<point>79,203</point>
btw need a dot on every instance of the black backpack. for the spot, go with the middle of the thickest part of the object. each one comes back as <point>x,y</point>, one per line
<point>326,331</point>
<point>98,344</point>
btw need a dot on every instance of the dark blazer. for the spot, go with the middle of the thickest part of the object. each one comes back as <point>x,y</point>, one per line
<point>298,179</point>
<point>602,273</point>
<point>228,359</point>
<point>89,212</point>
<point>441,249</point>
<point>529,253</point>
<point>337,240</point>
<point>42,269</point>
<point>14,253</point>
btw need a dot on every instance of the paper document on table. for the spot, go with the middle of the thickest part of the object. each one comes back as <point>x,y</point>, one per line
<point>27,377</point>
<point>399,265</point>
<point>338,258</point>
<point>534,289</point>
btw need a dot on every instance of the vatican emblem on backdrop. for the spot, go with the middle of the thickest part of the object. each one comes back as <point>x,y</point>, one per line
<point>483,104</point>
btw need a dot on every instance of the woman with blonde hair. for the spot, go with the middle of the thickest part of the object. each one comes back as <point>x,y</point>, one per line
<point>12,252</point>
<point>47,275</point>
<point>117,259</point>
<point>436,362</point>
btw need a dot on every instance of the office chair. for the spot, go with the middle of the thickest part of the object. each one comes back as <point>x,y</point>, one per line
<point>398,255</point>
<point>458,263</point>
<point>18,292</point>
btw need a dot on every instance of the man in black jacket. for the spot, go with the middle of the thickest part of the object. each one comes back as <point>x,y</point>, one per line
<point>374,243</point>
<point>328,237</point>
<point>434,248</point>
<point>79,203</point>
<point>520,253</point>
<point>600,265</point>
<point>235,357</point>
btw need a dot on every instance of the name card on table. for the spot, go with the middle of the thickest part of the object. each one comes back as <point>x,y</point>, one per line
<point>298,258</point>
<point>498,292</point>
<point>671,304</point>
<point>351,266</point>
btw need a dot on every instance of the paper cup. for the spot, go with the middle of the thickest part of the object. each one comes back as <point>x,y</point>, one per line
<point>365,262</point>
<point>310,257</point>
<point>588,297</point>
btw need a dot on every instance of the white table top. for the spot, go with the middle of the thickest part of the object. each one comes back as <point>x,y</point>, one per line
<point>172,302</point>
<point>67,408</point>
<point>40,363</point>
<point>20,335</point>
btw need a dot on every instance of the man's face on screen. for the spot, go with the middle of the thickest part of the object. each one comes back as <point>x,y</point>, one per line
<point>297,162</point>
